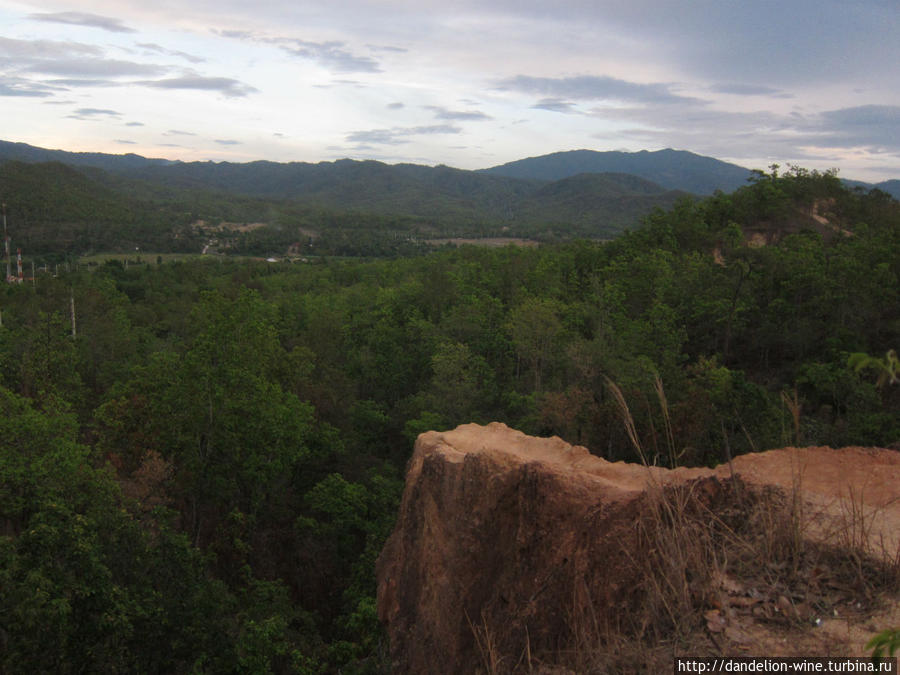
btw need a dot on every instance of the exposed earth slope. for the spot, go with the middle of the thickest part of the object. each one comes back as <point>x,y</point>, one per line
<point>510,551</point>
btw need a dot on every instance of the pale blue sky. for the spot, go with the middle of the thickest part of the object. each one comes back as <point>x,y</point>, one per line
<point>464,83</point>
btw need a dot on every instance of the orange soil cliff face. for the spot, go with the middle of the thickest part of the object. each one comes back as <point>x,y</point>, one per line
<point>503,538</point>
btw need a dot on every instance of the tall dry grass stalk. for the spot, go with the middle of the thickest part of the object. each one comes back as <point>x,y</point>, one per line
<point>676,551</point>
<point>690,547</point>
<point>630,428</point>
<point>627,419</point>
<point>856,529</point>
<point>667,421</point>
<point>792,403</point>
<point>491,659</point>
<point>686,540</point>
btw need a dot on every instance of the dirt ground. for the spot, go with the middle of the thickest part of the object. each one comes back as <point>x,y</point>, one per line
<point>849,498</point>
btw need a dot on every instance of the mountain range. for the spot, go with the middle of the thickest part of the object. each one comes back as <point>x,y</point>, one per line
<point>673,169</point>
<point>669,169</point>
<point>582,192</point>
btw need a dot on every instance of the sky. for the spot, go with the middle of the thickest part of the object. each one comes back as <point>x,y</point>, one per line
<point>469,84</point>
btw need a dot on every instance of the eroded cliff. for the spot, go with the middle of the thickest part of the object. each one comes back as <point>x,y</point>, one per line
<point>510,548</point>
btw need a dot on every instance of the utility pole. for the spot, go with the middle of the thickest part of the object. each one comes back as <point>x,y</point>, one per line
<point>6,244</point>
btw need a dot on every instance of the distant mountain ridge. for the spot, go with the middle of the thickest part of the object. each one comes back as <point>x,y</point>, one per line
<point>580,193</point>
<point>669,169</point>
<point>672,169</point>
<point>591,205</point>
<point>892,187</point>
<point>109,162</point>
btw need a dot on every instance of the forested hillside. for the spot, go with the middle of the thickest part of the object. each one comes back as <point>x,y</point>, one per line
<point>349,208</point>
<point>23,152</point>
<point>85,203</point>
<point>199,473</point>
<point>675,169</point>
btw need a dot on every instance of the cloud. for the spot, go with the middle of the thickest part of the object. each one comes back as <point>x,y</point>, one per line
<point>432,129</point>
<point>769,42</point>
<point>67,82</point>
<point>397,135</point>
<point>123,142</point>
<point>387,48</point>
<point>13,51</point>
<point>94,114</point>
<point>234,34</point>
<point>93,67</point>
<point>467,115</point>
<point>556,105</point>
<point>396,105</point>
<point>748,90</point>
<point>15,86</point>
<point>865,115</point>
<point>134,124</point>
<point>377,137</point>
<point>874,126</point>
<point>825,136</point>
<point>594,88</point>
<point>84,19</point>
<point>704,130</point>
<point>226,142</point>
<point>54,57</point>
<point>153,47</point>
<point>97,111</point>
<point>224,85</point>
<point>7,90</point>
<point>331,54</point>
<point>79,65</point>
<point>177,132</point>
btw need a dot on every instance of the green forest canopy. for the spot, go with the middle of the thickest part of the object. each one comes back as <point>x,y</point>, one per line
<point>202,477</point>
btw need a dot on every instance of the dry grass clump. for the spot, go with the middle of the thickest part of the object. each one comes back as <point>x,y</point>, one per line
<point>714,557</point>
<point>708,560</point>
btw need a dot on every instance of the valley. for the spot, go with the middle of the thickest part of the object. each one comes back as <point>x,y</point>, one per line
<point>203,456</point>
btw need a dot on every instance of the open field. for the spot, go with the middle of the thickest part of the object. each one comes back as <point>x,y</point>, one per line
<point>486,241</point>
<point>150,258</point>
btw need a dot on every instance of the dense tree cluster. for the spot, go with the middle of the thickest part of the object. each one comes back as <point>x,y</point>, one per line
<point>348,208</point>
<point>201,477</point>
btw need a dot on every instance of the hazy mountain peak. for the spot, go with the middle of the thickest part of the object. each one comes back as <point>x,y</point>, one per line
<point>671,169</point>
